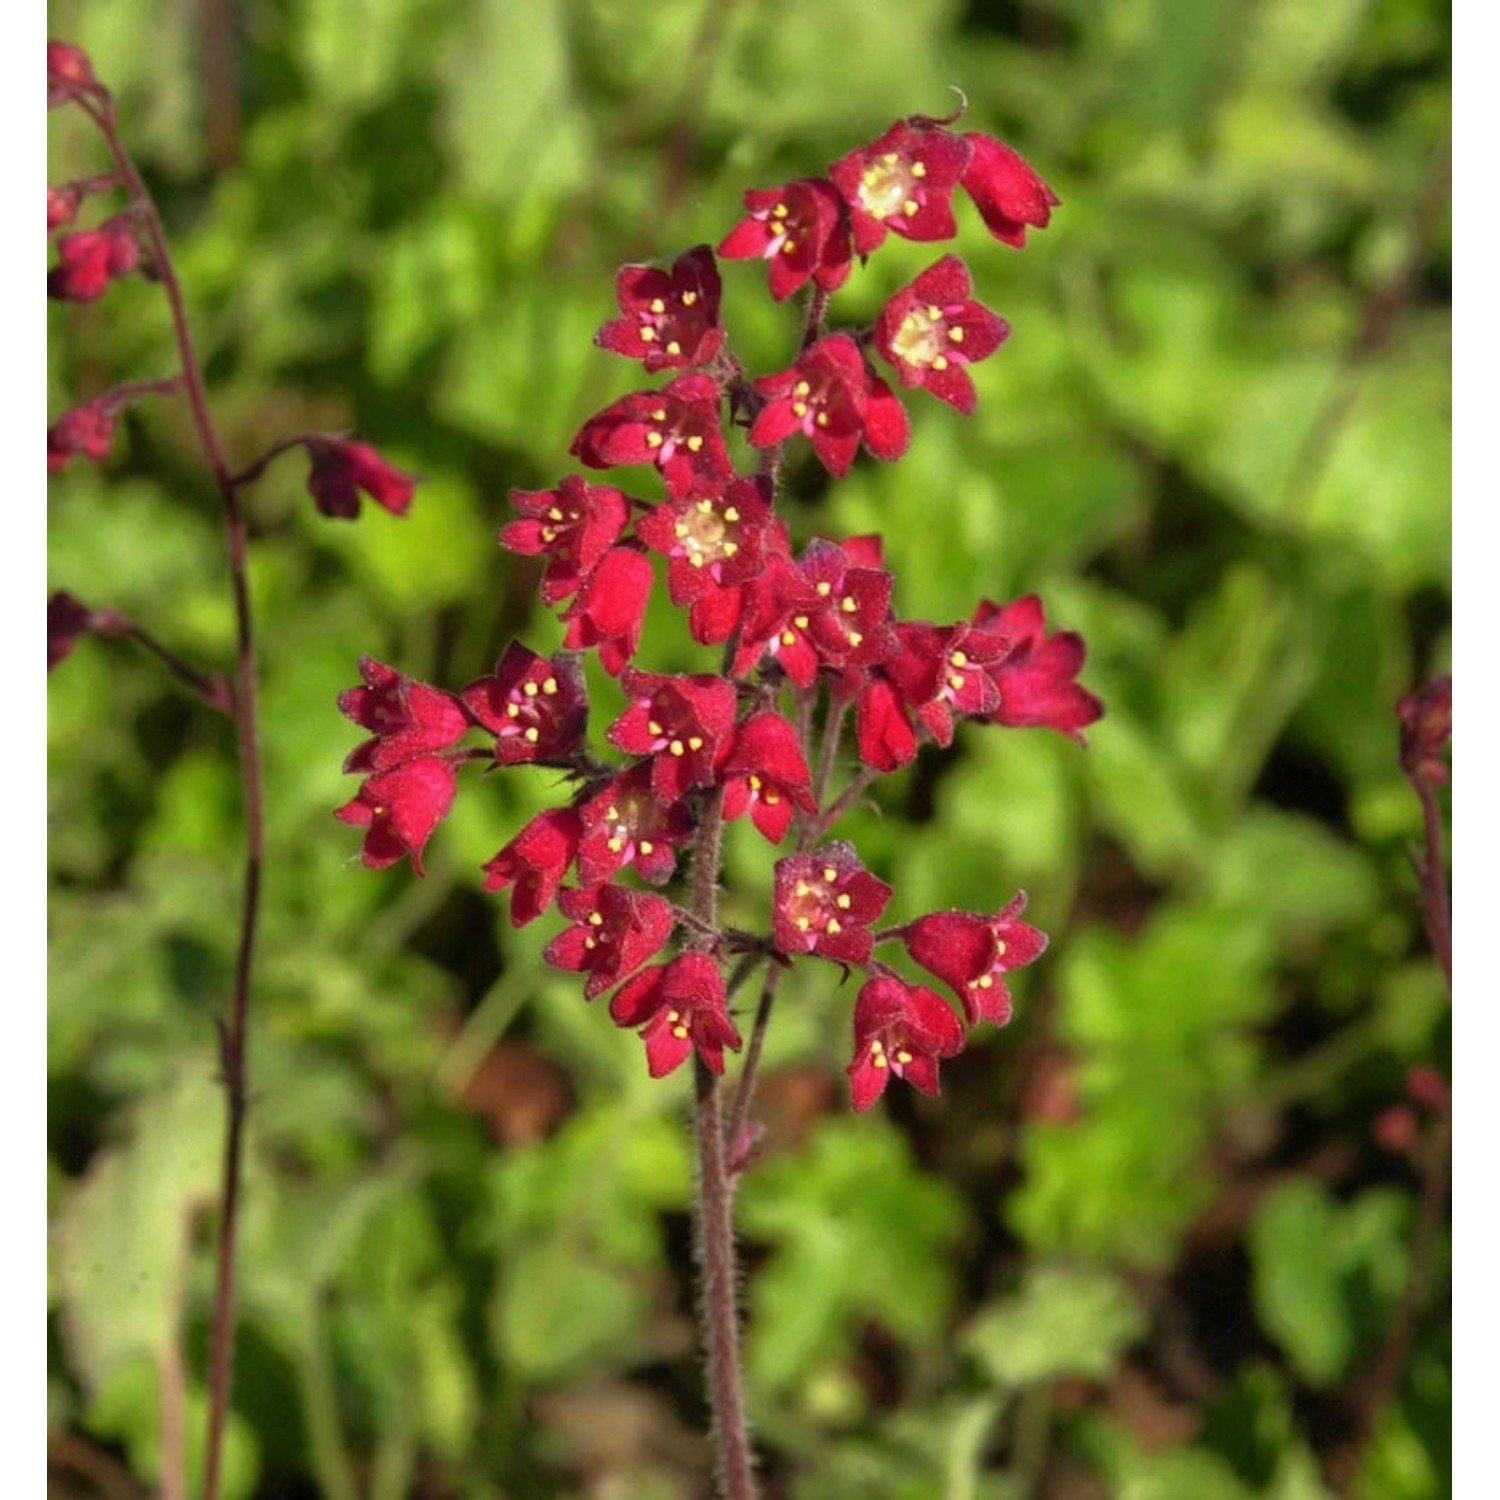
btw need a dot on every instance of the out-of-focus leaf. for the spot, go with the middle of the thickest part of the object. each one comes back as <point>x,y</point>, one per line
<point>1063,1321</point>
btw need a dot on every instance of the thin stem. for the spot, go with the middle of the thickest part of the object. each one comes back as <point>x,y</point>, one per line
<point>233,1034</point>
<point>1435,911</point>
<point>745,1088</point>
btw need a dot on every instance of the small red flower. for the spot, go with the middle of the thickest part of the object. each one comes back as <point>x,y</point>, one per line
<point>534,863</point>
<point>1005,190</point>
<point>69,73</point>
<point>832,396</point>
<point>675,428</point>
<point>1037,677</point>
<point>683,1008</point>
<point>972,954</point>
<point>88,260</point>
<point>610,607</point>
<point>883,728</point>
<point>903,182</point>
<point>681,722</point>
<point>62,205</point>
<point>802,229</point>
<point>766,775</point>
<point>341,470</point>
<point>825,902</point>
<point>68,619</point>
<point>615,931</point>
<point>946,670</point>
<point>1426,727</point>
<point>407,718</point>
<point>572,526</point>
<point>87,429</point>
<point>903,1030</point>
<point>711,542</point>
<point>399,808</point>
<point>624,823</point>
<point>930,330</point>
<point>535,706</point>
<point>671,318</point>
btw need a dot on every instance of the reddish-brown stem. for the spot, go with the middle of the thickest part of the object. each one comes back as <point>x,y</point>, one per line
<point>232,1034</point>
<point>745,1088</point>
<point>1435,911</point>
<point>718,1310</point>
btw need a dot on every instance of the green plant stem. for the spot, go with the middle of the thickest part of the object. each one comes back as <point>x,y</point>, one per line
<point>233,1033</point>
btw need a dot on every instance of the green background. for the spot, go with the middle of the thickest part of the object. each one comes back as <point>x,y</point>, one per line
<point>1147,1241</point>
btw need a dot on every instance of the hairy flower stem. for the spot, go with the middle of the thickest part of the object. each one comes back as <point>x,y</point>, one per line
<point>232,1034</point>
<point>718,1310</point>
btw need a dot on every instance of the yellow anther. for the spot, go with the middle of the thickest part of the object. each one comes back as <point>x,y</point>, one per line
<point>680,530</point>
<point>890,158</point>
<point>959,658</point>
<point>689,298</point>
<point>680,1032</point>
<point>787,638</point>
<point>549,534</point>
<point>940,362</point>
<point>730,548</point>
<point>674,348</point>
<point>834,927</point>
<point>821,419</point>
<point>513,710</point>
<point>955,681</point>
<point>802,888</point>
<point>532,735</point>
<point>695,560</point>
<point>999,947</point>
<point>549,687</point>
<point>648,335</point>
<point>934,314</point>
<point>589,944</point>
<point>754,782</point>
<point>802,924</point>
<point>802,388</point>
<point>659,415</point>
<point>731,514</point>
<point>653,726</point>
<point>789,247</point>
<point>530,689</point>
<point>772,796</point>
<point>956,335</point>
<point>985,982</point>
<point>877,1058</point>
<point>799,408</point>
<point>694,443</point>
<point>614,845</point>
<point>824,589</point>
<point>854,637</point>
<point>676,748</point>
<point>800,621</point>
<point>843,902</point>
<point>657,305</point>
<point>695,742</point>
<point>830,874</point>
<point>849,604</point>
<point>596,919</point>
<point>646,846</point>
<point>903,1057</point>
<point>919,169</point>
<point>910,207</point>
<point>780,211</point>
<point>653,440</point>
<point>554,514</point>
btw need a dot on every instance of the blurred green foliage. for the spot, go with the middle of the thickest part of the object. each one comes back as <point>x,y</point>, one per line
<point>1147,1242</point>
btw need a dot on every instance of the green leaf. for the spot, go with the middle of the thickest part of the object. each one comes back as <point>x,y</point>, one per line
<point>1063,1321</point>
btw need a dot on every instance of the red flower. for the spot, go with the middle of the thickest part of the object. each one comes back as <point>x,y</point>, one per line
<point>901,1029</point>
<point>572,526</point>
<point>671,318</point>
<point>534,863</point>
<point>62,205</point>
<point>68,619</point>
<point>711,542</point>
<point>341,469</point>
<point>802,229</point>
<point>1036,678</point>
<point>766,775</point>
<point>90,259</point>
<point>1005,190</point>
<point>675,428</point>
<point>398,809</point>
<point>1426,727</point>
<point>825,902</point>
<point>832,396</point>
<point>681,722</point>
<point>535,706</point>
<point>883,727</point>
<point>407,718</point>
<point>943,671</point>
<point>931,329</point>
<point>973,953</point>
<point>87,429</point>
<point>610,607</point>
<point>69,73</point>
<point>624,823</point>
<point>682,1006</point>
<point>615,931</point>
<point>903,182</point>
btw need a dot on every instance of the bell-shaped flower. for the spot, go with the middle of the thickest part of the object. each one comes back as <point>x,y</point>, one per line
<point>825,902</point>
<point>615,930</point>
<point>669,319</point>
<point>802,229</point>
<point>343,470</point>
<point>399,809</point>
<point>903,182</point>
<point>683,1008</point>
<point>535,706</point>
<point>765,774</point>
<point>972,954</point>
<point>1037,676</point>
<point>1007,192</point>
<point>407,718</point>
<point>533,864</point>
<point>572,526</point>
<point>900,1030</point>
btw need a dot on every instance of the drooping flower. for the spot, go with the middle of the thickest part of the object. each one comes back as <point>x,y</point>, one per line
<point>802,229</point>
<point>532,864</point>
<point>683,1008</point>
<point>62,205</point>
<point>766,775</point>
<point>972,954</point>
<point>682,722</point>
<point>946,670</point>
<point>399,809</point>
<point>670,319</point>
<point>69,73</point>
<point>88,429</point>
<point>89,259</point>
<point>929,331</point>
<point>343,470</point>
<point>900,1030</point>
<point>903,182</point>
<point>825,902</point>
<point>535,706</point>
<point>69,618</point>
<point>832,396</point>
<point>572,526</point>
<point>610,607</point>
<point>407,718</point>
<point>615,930</point>
<point>1007,192</point>
<point>1037,677</point>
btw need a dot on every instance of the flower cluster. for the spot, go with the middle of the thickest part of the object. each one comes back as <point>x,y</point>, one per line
<point>814,652</point>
